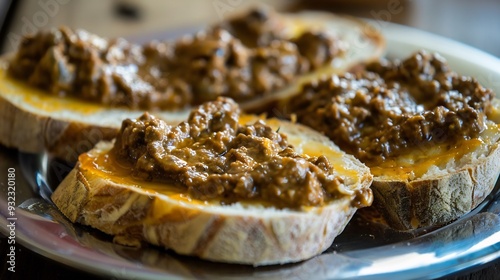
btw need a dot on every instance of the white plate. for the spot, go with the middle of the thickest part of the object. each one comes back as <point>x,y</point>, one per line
<point>470,241</point>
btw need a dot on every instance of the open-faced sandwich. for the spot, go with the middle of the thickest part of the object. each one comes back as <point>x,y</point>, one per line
<point>221,186</point>
<point>65,90</point>
<point>429,135</point>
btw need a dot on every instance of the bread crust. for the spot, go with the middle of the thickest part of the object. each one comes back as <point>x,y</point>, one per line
<point>34,133</point>
<point>64,134</point>
<point>253,235</point>
<point>407,205</point>
<point>68,132</point>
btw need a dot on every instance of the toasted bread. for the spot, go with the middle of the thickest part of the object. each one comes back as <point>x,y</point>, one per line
<point>34,121</point>
<point>449,189</point>
<point>426,184</point>
<point>245,233</point>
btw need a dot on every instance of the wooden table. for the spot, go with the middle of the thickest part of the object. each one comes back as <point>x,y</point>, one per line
<point>472,22</point>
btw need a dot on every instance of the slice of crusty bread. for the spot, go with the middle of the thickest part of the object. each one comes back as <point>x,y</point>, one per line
<point>33,121</point>
<point>448,190</point>
<point>453,185</point>
<point>236,233</point>
<point>432,184</point>
<point>435,185</point>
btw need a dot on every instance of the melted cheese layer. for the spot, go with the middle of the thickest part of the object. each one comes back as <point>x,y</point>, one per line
<point>18,92</point>
<point>417,164</point>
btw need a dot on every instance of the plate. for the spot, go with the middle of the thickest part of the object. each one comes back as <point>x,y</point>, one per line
<point>361,251</point>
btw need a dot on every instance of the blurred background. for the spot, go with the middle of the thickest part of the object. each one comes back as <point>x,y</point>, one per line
<point>476,23</point>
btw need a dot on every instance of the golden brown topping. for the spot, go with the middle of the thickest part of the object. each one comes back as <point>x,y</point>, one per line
<point>394,107</point>
<point>258,28</point>
<point>189,71</point>
<point>214,157</point>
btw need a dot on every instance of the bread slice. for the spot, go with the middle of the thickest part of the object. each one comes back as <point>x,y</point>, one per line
<point>452,185</point>
<point>449,182</point>
<point>245,233</point>
<point>34,121</point>
<point>431,180</point>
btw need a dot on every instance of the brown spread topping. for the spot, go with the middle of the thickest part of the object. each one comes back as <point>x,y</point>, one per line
<point>394,107</point>
<point>214,157</point>
<point>257,29</point>
<point>242,58</point>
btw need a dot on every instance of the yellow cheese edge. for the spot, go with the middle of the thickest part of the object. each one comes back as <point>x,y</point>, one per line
<point>417,164</point>
<point>19,93</point>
